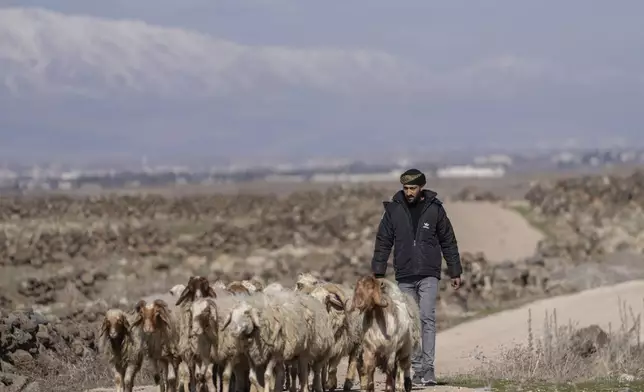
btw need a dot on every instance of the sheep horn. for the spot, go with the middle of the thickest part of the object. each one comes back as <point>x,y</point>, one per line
<point>335,289</point>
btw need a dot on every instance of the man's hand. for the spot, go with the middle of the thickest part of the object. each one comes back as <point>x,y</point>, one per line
<point>456,283</point>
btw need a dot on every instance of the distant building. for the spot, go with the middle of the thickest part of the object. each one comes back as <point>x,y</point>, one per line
<point>469,171</point>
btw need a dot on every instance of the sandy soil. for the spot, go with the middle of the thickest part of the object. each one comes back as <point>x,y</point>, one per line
<point>456,346</point>
<point>500,233</point>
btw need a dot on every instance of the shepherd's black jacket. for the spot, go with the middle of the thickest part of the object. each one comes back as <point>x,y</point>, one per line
<point>416,254</point>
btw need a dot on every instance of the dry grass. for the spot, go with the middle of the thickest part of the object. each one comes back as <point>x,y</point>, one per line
<point>70,373</point>
<point>561,360</point>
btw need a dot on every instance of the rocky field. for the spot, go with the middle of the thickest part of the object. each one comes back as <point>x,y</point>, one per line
<point>66,259</point>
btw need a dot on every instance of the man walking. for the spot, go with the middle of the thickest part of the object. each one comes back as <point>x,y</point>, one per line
<point>416,225</point>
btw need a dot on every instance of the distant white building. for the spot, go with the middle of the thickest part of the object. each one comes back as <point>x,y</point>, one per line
<point>469,171</point>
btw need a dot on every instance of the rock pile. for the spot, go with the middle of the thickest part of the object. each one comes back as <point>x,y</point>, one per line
<point>591,216</point>
<point>35,345</point>
<point>472,193</point>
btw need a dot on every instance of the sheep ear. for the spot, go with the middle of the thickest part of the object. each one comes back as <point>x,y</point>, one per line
<point>210,292</point>
<point>160,303</point>
<point>254,316</point>
<point>378,300</point>
<point>126,323</point>
<point>227,321</point>
<point>139,306</point>
<point>187,291</point>
<point>105,326</point>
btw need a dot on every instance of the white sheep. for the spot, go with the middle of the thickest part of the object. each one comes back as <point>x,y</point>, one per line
<point>208,317</point>
<point>348,337</point>
<point>184,296</point>
<point>275,331</point>
<point>306,282</point>
<point>273,288</point>
<point>124,352</point>
<point>321,339</point>
<point>391,332</point>
<point>347,330</point>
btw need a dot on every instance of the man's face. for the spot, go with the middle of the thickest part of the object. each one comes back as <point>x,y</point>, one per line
<point>411,192</point>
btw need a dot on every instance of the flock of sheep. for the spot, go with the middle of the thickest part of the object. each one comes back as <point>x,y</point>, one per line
<point>246,336</point>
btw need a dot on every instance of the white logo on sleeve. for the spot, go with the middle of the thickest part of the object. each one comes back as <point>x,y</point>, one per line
<point>426,225</point>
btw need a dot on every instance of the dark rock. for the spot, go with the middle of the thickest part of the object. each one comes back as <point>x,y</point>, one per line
<point>20,358</point>
<point>588,340</point>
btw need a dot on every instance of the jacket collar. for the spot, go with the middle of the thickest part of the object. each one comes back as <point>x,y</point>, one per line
<point>428,194</point>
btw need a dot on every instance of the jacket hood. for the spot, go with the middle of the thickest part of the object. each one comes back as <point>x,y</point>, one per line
<point>428,194</point>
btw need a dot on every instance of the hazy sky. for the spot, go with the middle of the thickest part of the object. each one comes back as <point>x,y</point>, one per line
<point>262,78</point>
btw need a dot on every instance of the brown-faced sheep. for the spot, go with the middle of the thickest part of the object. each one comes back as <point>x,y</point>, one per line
<point>159,335</point>
<point>123,350</point>
<point>391,332</point>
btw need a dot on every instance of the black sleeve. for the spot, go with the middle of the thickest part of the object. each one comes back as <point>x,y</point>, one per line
<point>383,245</point>
<point>449,245</point>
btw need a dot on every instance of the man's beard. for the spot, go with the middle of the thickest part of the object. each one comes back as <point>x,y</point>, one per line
<point>413,200</point>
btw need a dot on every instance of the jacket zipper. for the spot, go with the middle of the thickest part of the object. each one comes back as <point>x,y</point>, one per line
<point>411,223</point>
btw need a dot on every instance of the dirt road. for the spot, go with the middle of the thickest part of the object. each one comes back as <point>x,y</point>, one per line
<point>500,233</point>
<point>455,346</point>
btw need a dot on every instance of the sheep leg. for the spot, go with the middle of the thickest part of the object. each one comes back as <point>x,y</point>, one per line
<point>368,369</point>
<point>403,382</point>
<point>184,376</point>
<point>332,374</point>
<point>214,373</point>
<point>324,374</point>
<point>287,379</point>
<point>352,370</point>
<point>279,377</point>
<point>226,375</point>
<point>156,371</point>
<point>128,378</point>
<point>119,375</point>
<point>240,373</point>
<point>317,376</point>
<point>390,385</point>
<point>293,383</point>
<point>269,375</point>
<point>303,373</point>
<point>171,376</point>
<point>210,383</point>
<point>252,377</point>
<point>220,378</point>
<point>200,375</point>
